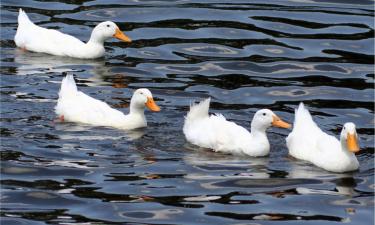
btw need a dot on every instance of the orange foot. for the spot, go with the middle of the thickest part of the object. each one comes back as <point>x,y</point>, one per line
<point>61,118</point>
<point>23,49</point>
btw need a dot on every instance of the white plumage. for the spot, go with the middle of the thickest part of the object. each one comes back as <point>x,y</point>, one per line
<point>76,106</point>
<point>216,133</point>
<point>34,38</point>
<point>308,142</point>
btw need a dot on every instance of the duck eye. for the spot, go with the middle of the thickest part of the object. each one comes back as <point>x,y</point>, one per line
<point>108,25</point>
<point>264,114</point>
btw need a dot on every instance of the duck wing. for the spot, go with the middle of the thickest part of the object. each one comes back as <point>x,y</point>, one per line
<point>38,39</point>
<point>306,137</point>
<point>76,106</point>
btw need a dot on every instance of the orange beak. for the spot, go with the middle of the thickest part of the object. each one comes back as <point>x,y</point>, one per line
<point>352,143</point>
<point>152,105</point>
<point>277,122</point>
<point>121,36</point>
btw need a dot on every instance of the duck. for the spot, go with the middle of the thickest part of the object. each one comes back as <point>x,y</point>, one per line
<point>216,133</point>
<point>308,142</point>
<point>31,37</point>
<point>76,106</point>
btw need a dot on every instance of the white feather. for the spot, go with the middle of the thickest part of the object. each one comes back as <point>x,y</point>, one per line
<point>308,142</point>
<point>216,133</point>
<point>34,38</point>
<point>76,106</point>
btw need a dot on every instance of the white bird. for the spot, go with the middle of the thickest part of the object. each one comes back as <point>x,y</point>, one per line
<point>216,133</point>
<point>76,106</point>
<point>308,142</point>
<point>34,38</point>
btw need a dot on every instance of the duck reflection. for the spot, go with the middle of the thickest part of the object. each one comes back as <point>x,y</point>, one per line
<point>39,63</point>
<point>345,182</point>
<point>71,131</point>
<point>231,165</point>
<point>32,62</point>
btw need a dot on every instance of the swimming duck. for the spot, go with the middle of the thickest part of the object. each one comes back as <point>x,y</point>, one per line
<point>76,106</point>
<point>216,133</point>
<point>308,142</point>
<point>38,39</point>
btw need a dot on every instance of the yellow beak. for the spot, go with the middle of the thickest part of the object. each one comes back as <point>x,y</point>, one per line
<point>152,105</point>
<point>352,143</point>
<point>277,122</point>
<point>121,36</point>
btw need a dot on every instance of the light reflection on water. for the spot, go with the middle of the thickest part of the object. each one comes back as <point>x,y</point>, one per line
<point>245,56</point>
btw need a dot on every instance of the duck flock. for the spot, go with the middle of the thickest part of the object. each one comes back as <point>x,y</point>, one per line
<point>306,141</point>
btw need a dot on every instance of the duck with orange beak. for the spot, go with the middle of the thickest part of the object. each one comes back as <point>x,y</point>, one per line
<point>216,133</point>
<point>308,142</point>
<point>32,37</point>
<point>76,106</point>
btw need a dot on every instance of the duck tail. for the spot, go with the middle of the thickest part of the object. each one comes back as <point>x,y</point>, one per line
<point>302,115</point>
<point>22,17</point>
<point>68,86</point>
<point>198,111</point>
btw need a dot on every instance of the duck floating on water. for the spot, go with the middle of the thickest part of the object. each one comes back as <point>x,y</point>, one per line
<point>76,106</point>
<point>216,133</point>
<point>308,142</point>
<point>34,38</point>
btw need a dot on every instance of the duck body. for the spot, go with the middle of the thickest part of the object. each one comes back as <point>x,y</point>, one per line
<point>76,106</point>
<point>308,142</point>
<point>215,132</point>
<point>34,38</point>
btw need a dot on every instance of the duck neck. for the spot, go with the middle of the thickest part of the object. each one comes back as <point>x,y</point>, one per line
<point>258,133</point>
<point>136,109</point>
<point>96,39</point>
<point>258,129</point>
<point>257,144</point>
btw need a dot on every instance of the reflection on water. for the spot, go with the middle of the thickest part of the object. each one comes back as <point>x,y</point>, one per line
<point>245,55</point>
<point>29,63</point>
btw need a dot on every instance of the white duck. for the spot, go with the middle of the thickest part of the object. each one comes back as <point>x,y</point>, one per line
<point>76,106</point>
<point>216,133</point>
<point>38,39</point>
<point>308,142</point>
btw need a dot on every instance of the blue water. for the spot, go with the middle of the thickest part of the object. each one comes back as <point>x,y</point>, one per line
<point>245,55</point>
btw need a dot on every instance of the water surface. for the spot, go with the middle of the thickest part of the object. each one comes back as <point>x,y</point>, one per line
<point>246,56</point>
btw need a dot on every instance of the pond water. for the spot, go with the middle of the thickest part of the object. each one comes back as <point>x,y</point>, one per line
<point>246,56</point>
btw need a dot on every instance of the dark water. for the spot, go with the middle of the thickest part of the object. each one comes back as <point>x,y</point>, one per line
<point>263,54</point>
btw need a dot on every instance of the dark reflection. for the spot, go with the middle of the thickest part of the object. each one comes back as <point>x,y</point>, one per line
<point>122,177</point>
<point>244,55</point>
<point>361,2</point>
<point>45,184</point>
<point>54,215</point>
<point>353,57</point>
<point>307,24</point>
<point>10,155</point>
<point>264,183</point>
<point>346,185</point>
<point>346,182</point>
<point>5,132</point>
<point>277,217</point>
<point>93,193</point>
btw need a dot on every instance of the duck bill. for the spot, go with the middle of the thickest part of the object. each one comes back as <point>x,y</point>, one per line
<point>152,105</point>
<point>352,143</point>
<point>277,122</point>
<point>121,36</point>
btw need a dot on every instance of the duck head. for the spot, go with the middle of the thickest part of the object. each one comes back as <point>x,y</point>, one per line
<point>143,98</point>
<point>265,118</point>
<point>349,138</point>
<point>106,30</point>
